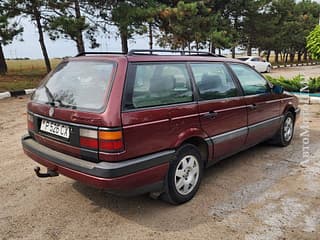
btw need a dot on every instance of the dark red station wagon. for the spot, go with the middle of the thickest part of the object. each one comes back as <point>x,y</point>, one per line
<point>151,121</point>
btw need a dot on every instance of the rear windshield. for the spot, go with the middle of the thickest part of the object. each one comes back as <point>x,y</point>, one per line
<point>77,85</point>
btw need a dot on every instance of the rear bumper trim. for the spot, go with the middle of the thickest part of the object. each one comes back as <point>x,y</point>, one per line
<point>102,169</point>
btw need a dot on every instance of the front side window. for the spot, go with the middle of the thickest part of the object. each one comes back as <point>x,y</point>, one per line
<point>213,81</point>
<point>157,84</point>
<point>251,82</point>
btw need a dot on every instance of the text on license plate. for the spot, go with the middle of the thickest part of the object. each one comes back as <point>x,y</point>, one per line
<point>55,129</point>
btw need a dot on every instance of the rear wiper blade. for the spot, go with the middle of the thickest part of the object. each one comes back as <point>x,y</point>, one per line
<point>61,104</point>
<point>49,95</point>
<point>53,102</point>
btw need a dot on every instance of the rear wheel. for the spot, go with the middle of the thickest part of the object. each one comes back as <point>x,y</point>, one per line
<point>184,175</point>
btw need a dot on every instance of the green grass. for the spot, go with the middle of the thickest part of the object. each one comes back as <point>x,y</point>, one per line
<point>24,74</point>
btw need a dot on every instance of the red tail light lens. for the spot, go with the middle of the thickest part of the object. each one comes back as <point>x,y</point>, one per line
<point>111,141</point>
<point>89,138</point>
<point>104,140</point>
<point>30,122</point>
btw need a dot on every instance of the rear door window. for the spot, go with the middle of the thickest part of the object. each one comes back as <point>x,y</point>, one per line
<point>213,81</point>
<point>78,85</point>
<point>157,84</point>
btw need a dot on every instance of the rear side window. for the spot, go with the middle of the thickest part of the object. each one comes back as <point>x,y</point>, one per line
<point>251,82</point>
<point>78,85</point>
<point>213,81</point>
<point>157,84</point>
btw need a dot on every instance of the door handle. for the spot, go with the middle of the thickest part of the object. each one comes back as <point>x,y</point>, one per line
<point>210,115</point>
<point>252,106</point>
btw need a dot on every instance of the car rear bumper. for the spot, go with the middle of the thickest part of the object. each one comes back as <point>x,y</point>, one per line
<point>135,176</point>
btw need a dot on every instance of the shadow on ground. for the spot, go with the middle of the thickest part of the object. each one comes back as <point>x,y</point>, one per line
<point>228,186</point>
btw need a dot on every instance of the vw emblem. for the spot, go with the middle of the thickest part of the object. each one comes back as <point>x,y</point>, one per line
<point>51,111</point>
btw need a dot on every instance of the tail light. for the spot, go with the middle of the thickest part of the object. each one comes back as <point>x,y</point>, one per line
<point>30,122</point>
<point>88,138</point>
<point>104,140</point>
<point>111,141</point>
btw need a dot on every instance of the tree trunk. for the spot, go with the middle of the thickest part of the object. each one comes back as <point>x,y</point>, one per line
<point>41,40</point>
<point>212,48</point>
<point>299,56</point>
<point>3,64</point>
<point>305,55</point>
<point>233,50</point>
<point>292,55</point>
<point>197,46</point>
<point>286,57</point>
<point>276,59</point>
<point>268,55</point>
<point>219,51</point>
<point>150,36</point>
<point>124,40</point>
<point>249,49</point>
<point>79,40</point>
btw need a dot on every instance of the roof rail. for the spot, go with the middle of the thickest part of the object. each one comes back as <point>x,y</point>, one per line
<point>98,53</point>
<point>181,52</point>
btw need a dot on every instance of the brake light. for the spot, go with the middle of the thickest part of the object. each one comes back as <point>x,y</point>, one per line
<point>30,122</point>
<point>104,140</point>
<point>89,138</point>
<point>111,141</point>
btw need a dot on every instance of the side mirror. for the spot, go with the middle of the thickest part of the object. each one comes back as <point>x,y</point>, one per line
<point>277,89</point>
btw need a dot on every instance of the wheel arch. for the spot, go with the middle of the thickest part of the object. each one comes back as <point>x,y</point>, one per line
<point>201,145</point>
<point>290,108</point>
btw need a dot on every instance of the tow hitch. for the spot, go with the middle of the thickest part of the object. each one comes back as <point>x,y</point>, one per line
<point>50,173</point>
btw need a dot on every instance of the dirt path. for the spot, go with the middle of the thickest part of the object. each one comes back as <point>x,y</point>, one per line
<point>262,193</point>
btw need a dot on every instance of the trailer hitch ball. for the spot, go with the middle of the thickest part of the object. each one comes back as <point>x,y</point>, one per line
<point>49,173</point>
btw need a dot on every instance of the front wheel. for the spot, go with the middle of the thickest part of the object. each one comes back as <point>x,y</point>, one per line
<point>285,133</point>
<point>268,69</point>
<point>184,175</point>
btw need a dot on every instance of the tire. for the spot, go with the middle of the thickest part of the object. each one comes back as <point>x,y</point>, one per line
<point>268,70</point>
<point>184,175</point>
<point>285,134</point>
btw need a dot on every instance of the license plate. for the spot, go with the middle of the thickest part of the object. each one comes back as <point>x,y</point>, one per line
<point>56,129</point>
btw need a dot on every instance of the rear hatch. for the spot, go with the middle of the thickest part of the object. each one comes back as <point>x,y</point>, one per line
<point>66,111</point>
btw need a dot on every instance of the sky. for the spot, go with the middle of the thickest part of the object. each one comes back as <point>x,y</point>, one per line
<point>30,46</point>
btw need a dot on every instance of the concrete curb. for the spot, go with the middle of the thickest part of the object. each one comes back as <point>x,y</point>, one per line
<point>307,99</point>
<point>289,65</point>
<point>16,93</point>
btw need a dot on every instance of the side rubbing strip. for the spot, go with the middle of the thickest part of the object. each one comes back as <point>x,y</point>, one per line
<point>229,135</point>
<point>265,123</point>
<point>242,131</point>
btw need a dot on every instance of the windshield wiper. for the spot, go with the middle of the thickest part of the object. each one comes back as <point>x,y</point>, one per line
<point>50,96</point>
<point>61,104</point>
<point>56,102</point>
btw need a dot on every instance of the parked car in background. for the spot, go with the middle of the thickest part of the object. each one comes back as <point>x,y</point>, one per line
<point>257,63</point>
<point>141,122</point>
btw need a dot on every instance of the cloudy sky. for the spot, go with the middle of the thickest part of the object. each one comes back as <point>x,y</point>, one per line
<point>30,46</point>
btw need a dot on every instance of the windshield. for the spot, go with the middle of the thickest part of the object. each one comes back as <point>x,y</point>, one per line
<point>77,85</point>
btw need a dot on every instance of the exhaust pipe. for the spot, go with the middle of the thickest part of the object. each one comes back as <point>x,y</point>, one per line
<point>50,173</point>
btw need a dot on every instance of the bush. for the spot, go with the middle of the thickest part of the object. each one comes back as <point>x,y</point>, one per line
<point>296,83</point>
<point>314,85</point>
